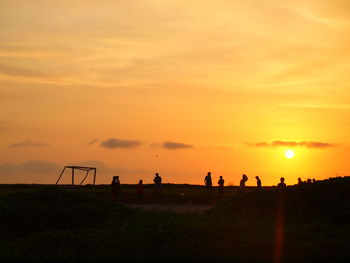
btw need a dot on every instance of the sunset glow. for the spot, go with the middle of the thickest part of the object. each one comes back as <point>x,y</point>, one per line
<point>289,154</point>
<point>220,86</point>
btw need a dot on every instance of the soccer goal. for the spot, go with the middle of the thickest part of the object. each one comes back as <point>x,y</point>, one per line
<point>79,168</point>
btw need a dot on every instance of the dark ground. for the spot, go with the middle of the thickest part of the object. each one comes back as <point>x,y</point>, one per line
<point>309,223</point>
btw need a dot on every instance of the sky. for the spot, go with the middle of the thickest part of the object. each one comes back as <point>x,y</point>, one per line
<point>176,87</point>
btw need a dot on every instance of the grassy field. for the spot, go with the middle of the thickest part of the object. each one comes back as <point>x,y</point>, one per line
<point>309,223</point>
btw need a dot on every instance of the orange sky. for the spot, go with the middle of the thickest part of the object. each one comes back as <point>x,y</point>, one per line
<point>109,83</point>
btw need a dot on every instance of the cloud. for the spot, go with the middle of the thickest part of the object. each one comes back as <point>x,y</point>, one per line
<point>35,167</point>
<point>21,71</point>
<point>101,167</point>
<point>224,148</point>
<point>331,12</point>
<point>307,144</point>
<point>175,145</point>
<point>259,144</point>
<point>113,143</point>
<point>92,142</point>
<point>318,144</point>
<point>29,167</point>
<point>3,125</point>
<point>118,143</point>
<point>27,143</point>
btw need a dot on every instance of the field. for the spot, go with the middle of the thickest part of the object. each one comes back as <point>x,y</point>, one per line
<point>308,223</point>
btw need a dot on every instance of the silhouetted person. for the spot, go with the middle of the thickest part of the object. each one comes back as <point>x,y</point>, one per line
<point>115,186</point>
<point>314,180</point>
<point>308,181</point>
<point>300,182</point>
<point>139,190</point>
<point>157,183</point>
<point>221,183</point>
<point>208,182</point>
<point>258,182</point>
<point>242,183</point>
<point>282,184</point>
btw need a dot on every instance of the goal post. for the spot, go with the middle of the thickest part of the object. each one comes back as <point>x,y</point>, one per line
<point>80,168</point>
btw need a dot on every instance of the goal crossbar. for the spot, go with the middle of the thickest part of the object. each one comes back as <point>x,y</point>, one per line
<point>81,168</point>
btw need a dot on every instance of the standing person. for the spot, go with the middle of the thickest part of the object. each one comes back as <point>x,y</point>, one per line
<point>282,184</point>
<point>258,182</point>
<point>242,183</point>
<point>139,190</point>
<point>300,182</point>
<point>208,183</point>
<point>115,186</point>
<point>221,185</point>
<point>158,183</point>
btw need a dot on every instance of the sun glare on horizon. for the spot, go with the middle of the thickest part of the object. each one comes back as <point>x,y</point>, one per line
<point>289,154</point>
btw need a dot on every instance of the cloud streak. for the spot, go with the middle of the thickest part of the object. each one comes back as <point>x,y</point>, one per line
<point>3,125</point>
<point>307,144</point>
<point>29,167</point>
<point>103,168</point>
<point>92,142</point>
<point>114,143</point>
<point>176,145</point>
<point>21,71</point>
<point>28,143</point>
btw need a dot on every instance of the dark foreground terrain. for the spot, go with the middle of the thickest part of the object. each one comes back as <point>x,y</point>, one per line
<point>308,223</point>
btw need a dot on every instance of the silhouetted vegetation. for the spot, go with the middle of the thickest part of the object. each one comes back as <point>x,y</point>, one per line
<point>54,224</point>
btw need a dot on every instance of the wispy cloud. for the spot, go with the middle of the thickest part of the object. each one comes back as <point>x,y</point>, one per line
<point>327,107</point>
<point>105,169</point>
<point>46,167</point>
<point>114,143</point>
<point>3,125</point>
<point>176,145</point>
<point>28,143</point>
<point>101,167</point>
<point>29,167</point>
<point>307,144</point>
<point>92,142</point>
<point>21,71</point>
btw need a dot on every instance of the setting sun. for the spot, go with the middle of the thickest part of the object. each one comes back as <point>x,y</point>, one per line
<point>289,154</point>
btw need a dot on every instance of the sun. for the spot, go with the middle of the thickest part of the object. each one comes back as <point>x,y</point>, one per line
<point>289,154</point>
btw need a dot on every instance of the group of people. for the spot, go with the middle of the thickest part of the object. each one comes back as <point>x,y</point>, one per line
<point>209,185</point>
<point>308,181</point>
<point>207,182</point>
<point>139,188</point>
<point>244,179</point>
